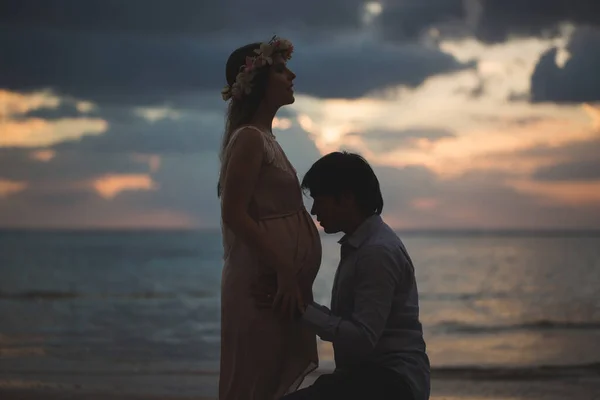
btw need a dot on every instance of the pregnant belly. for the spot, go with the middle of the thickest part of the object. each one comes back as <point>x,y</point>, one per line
<point>297,236</point>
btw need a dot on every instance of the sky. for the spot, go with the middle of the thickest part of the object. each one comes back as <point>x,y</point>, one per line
<point>478,114</point>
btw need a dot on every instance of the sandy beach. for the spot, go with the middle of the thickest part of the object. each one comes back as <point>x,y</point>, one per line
<point>549,384</point>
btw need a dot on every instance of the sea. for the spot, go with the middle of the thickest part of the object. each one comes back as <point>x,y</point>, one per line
<point>94,301</point>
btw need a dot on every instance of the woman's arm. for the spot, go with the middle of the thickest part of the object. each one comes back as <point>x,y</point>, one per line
<point>240,179</point>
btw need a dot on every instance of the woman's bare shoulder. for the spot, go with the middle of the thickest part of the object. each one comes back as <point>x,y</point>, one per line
<point>247,142</point>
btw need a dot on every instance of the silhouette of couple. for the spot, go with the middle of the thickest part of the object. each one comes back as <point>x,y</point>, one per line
<point>272,254</point>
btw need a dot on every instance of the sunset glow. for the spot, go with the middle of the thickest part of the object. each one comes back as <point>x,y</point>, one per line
<point>11,187</point>
<point>467,119</point>
<point>36,132</point>
<point>111,185</point>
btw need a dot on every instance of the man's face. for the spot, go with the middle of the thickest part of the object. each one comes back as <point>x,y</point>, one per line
<point>330,211</point>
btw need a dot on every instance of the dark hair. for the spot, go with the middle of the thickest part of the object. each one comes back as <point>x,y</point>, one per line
<point>240,111</point>
<point>342,172</point>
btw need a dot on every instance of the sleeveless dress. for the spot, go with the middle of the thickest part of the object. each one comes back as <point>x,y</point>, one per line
<point>262,356</point>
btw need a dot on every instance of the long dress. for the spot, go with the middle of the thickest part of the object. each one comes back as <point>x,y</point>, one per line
<point>264,357</point>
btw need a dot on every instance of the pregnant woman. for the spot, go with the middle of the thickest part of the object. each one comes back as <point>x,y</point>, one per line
<point>270,241</point>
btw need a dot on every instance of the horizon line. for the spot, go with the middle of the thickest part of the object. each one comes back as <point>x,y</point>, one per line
<point>439,230</point>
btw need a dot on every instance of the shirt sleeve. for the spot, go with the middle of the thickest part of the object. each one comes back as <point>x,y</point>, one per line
<point>320,319</point>
<point>377,275</point>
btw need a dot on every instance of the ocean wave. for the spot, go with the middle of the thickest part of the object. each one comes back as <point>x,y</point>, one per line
<point>51,295</point>
<point>501,373</point>
<point>544,325</point>
<point>464,296</point>
<point>516,373</point>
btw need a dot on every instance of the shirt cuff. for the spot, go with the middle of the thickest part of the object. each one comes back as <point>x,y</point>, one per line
<point>320,320</point>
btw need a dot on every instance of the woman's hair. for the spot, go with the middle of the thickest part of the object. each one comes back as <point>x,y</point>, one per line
<point>339,173</point>
<point>241,110</point>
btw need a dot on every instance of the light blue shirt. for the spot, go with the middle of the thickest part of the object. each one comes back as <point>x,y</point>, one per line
<point>374,316</point>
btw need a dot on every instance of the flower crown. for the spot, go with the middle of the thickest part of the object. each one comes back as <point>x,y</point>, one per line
<point>264,56</point>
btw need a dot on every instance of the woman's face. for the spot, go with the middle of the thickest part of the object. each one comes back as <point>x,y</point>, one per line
<point>280,86</point>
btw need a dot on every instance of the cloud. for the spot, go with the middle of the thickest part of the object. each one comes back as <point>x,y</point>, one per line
<point>106,183</point>
<point>8,187</point>
<point>109,68</point>
<point>570,171</point>
<point>22,165</point>
<point>497,20</point>
<point>183,17</point>
<point>14,103</point>
<point>578,80</point>
<point>405,20</point>
<point>490,21</point>
<point>84,67</point>
<point>70,125</point>
<point>415,197</point>
<point>88,189</point>
<point>164,131</point>
<point>37,132</point>
<point>131,132</point>
<point>388,140</point>
<point>354,69</point>
<point>575,150</point>
<point>106,63</point>
<point>109,186</point>
<point>184,194</point>
<point>64,109</point>
<point>151,72</point>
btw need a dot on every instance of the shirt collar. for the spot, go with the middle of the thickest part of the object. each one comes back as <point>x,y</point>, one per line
<point>362,233</point>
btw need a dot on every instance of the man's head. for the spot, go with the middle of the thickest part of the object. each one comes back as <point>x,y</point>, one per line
<point>345,191</point>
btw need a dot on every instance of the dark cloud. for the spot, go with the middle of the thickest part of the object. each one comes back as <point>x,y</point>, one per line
<point>153,52</point>
<point>112,68</point>
<point>405,20</point>
<point>498,20</point>
<point>491,21</point>
<point>109,68</point>
<point>387,140</point>
<point>570,171</point>
<point>179,17</point>
<point>578,80</point>
<point>353,69</point>
<point>145,51</point>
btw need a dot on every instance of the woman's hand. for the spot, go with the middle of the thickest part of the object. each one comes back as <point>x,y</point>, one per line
<point>288,299</point>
